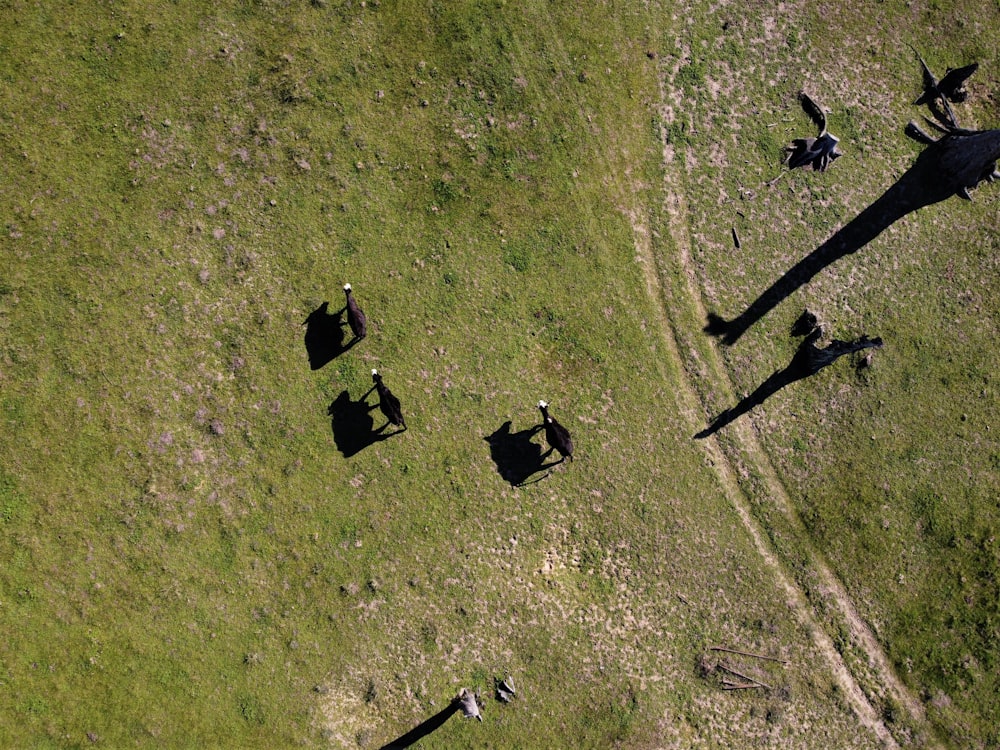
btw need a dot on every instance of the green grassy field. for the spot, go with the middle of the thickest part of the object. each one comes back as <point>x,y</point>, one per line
<point>531,200</point>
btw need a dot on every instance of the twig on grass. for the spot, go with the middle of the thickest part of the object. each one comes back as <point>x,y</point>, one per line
<point>745,677</point>
<point>747,653</point>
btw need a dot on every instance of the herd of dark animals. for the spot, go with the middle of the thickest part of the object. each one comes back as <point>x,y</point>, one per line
<point>952,164</point>
<point>517,458</point>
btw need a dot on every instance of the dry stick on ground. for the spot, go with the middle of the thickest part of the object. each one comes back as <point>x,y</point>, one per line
<point>745,677</point>
<point>755,686</point>
<point>747,653</point>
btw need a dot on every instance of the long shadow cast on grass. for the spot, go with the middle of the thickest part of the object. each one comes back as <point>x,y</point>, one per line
<point>353,425</point>
<point>424,728</point>
<point>808,360</point>
<point>325,336</point>
<point>516,457</point>
<point>947,167</point>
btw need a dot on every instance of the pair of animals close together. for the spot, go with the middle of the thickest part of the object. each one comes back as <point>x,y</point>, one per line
<point>820,151</point>
<point>558,437</point>
<point>388,404</point>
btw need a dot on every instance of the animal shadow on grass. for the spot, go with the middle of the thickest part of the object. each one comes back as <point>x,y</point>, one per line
<point>325,336</point>
<point>516,457</point>
<point>948,166</point>
<point>424,728</point>
<point>808,360</point>
<point>353,425</point>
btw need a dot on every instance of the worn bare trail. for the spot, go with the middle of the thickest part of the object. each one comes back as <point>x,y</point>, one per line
<point>876,671</point>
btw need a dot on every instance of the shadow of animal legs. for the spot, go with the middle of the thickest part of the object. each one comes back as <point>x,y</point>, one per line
<point>515,456</point>
<point>324,337</point>
<point>352,425</point>
<point>549,452</point>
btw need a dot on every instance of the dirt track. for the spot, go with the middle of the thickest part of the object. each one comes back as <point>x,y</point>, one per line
<point>879,675</point>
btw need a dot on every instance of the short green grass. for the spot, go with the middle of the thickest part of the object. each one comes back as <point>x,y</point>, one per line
<point>188,558</point>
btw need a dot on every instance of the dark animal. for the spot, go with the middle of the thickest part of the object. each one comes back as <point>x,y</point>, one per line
<point>468,702</point>
<point>388,403</point>
<point>988,171</point>
<point>937,95</point>
<point>355,317</point>
<point>815,152</point>
<point>946,124</point>
<point>557,436</point>
<point>810,359</point>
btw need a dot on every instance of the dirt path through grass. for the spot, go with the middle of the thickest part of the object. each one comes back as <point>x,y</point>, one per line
<point>684,302</point>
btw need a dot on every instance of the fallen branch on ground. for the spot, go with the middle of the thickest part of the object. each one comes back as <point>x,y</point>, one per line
<point>745,677</point>
<point>747,653</point>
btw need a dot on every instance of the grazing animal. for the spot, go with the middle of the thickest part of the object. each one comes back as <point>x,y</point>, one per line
<point>988,172</point>
<point>468,702</point>
<point>505,690</point>
<point>388,403</point>
<point>950,165</point>
<point>557,436</point>
<point>815,152</point>
<point>355,317</point>
<point>936,96</point>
